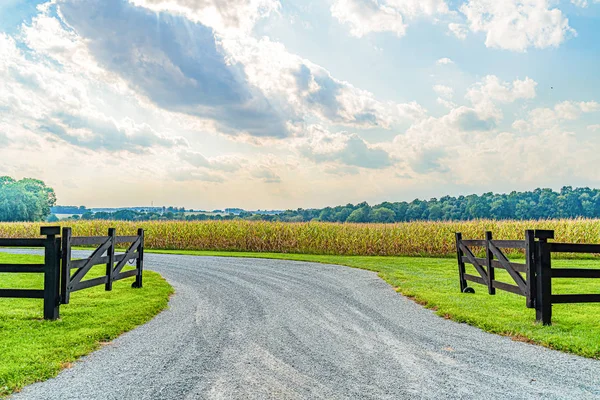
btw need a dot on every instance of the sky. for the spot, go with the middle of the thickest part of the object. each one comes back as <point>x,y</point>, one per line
<point>275,104</point>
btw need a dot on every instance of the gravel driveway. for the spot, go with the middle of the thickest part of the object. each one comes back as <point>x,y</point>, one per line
<point>255,329</point>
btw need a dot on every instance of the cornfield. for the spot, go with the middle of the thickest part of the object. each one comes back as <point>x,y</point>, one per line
<point>408,239</point>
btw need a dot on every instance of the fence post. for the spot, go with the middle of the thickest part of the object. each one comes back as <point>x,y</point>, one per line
<point>139,261</point>
<point>543,301</point>
<point>51,272</point>
<point>489,257</point>
<point>65,275</point>
<point>111,259</point>
<point>461,264</point>
<point>531,266</point>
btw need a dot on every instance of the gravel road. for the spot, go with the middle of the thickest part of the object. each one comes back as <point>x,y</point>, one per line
<point>259,329</point>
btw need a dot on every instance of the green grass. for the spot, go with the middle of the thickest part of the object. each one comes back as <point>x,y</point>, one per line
<point>32,349</point>
<point>433,282</point>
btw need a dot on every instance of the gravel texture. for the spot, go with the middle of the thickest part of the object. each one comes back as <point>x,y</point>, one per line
<point>257,329</point>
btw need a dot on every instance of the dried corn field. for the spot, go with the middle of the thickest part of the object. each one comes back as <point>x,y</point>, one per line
<point>410,239</point>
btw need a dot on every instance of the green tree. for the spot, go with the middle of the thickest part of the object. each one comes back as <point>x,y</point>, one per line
<point>436,213</point>
<point>326,214</point>
<point>25,200</point>
<point>359,215</point>
<point>382,214</point>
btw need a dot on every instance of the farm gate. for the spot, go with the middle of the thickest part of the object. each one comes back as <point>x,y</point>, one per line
<point>59,280</point>
<point>536,285</point>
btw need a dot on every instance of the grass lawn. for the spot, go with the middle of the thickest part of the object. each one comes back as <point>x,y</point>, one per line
<point>433,282</point>
<point>32,349</point>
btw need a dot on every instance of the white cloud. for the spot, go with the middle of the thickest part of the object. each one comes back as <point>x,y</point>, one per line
<point>583,3</point>
<point>98,132</point>
<point>508,24</point>
<point>446,103</point>
<point>303,90</point>
<point>594,128</point>
<point>448,150</point>
<point>177,65</point>
<point>545,118</point>
<point>223,163</point>
<point>517,24</point>
<point>412,111</point>
<point>491,90</point>
<point>367,16</point>
<point>425,144</point>
<point>51,91</point>
<point>224,16</point>
<point>445,61</point>
<point>191,174</point>
<point>344,148</point>
<point>266,174</point>
<point>444,91</point>
<point>589,106</point>
<point>559,156</point>
<point>458,30</point>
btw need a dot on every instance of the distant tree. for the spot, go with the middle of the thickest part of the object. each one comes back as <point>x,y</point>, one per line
<point>343,214</point>
<point>360,215</point>
<point>536,204</point>
<point>126,215</point>
<point>477,207</point>
<point>25,200</point>
<point>524,209</point>
<point>326,215</point>
<point>436,213</point>
<point>540,203</point>
<point>500,209</point>
<point>382,214</point>
<point>102,215</point>
<point>415,210</point>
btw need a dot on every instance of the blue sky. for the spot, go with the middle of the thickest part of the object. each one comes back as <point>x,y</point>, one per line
<point>285,104</point>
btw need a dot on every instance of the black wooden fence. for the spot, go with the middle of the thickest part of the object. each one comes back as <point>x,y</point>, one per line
<point>50,269</point>
<point>536,285</point>
<point>59,281</point>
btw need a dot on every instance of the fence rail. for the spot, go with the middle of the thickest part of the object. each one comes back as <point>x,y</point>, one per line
<point>59,282</point>
<point>536,285</point>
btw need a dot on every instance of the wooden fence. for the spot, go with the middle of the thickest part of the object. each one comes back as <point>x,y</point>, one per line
<point>50,269</point>
<point>536,285</point>
<point>59,281</point>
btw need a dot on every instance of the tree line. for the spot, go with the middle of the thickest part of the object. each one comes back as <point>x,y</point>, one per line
<point>30,200</point>
<point>536,204</point>
<point>25,200</point>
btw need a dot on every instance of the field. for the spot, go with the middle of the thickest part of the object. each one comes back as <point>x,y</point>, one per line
<point>32,349</point>
<point>432,239</point>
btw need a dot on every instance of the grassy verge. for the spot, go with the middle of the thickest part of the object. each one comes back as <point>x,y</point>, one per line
<point>32,349</point>
<point>433,282</point>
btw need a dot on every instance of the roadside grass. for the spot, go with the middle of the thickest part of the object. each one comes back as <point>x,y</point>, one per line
<point>33,350</point>
<point>433,282</point>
